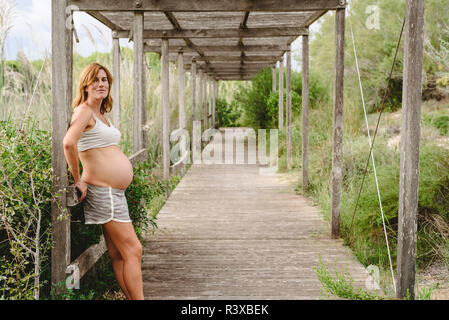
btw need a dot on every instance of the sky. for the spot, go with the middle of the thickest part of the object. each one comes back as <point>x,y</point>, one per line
<point>31,33</point>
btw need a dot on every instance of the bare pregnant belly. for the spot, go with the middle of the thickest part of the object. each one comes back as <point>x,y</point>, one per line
<point>107,167</point>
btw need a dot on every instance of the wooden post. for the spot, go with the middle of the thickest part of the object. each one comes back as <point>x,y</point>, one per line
<point>274,76</point>
<point>62,49</point>
<point>410,139</point>
<point>181,77</point>
<point>289,110</point>
<point>165,109</point>
<point>305,111</point>
<point>116,84</point>
<point>215,102</point>
<point>338,122</point>
<point>281,93</point>
<point>200,97</point>
<point>144,119</point>
<point>138,81</point>
<point>204,110</point>
<point>194,91</point>
<point>210,100</point>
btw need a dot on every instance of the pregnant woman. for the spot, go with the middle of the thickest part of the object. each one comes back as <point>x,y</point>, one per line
<point>106,174</point>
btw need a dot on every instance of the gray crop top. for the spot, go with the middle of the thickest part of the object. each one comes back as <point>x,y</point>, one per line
<point>99,136</point>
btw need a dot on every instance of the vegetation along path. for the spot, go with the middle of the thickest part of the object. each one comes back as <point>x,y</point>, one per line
<point>229,232</point>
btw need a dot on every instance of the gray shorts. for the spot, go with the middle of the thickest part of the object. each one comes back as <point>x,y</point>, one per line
<point>103,204</point>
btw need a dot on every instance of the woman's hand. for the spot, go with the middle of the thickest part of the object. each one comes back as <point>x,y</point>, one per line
<point>82,186</point>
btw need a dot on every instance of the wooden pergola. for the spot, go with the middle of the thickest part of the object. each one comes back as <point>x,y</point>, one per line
<point>214,41</point>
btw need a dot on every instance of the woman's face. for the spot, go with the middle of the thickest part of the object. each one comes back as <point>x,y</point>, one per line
<point>99,89</point>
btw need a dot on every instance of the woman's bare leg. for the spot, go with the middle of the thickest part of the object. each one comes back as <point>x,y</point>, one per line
<point>128,245</point>
<point>117,263</point>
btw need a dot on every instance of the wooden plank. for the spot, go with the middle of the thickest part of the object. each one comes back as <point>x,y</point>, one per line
<point>108,23</point>
<point>305,111</point>
<point>89,257</point>
<point>410,140</point>
<point>232,252</point>
<point>337,148</point>
<point>138,81</point>
<point>289,109</point>
<point>116,84</point>
<point>208,5</point>
<point>219,33</point>
<point>281,94</point>
<point>225,58</point>
<point>246,48</point>
<point>273,77</point>
<point>165,109</point>
<point>62,43</point>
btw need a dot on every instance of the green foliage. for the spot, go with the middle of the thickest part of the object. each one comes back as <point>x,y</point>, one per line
<point>252,100</point>
<point>227,114</point>
<point>25,214</point>
<point>342,285</point>
<point>25,205</point>
<point>439,121</point>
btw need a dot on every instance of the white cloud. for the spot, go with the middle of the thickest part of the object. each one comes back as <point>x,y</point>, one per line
<point>31,31</point>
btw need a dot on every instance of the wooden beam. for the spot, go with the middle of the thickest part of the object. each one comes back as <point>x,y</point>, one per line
<point>207,5</point>
<point>281,94</point>
<point>288,90</point>
<point>108,23</point>
<point>116,84</point>
<point>410,140</point>
<point>337,149</point>
<point>219,33</point>
<point>138,81</point>
<point>273,78</point>
<point>165,110</point>
<point>62,43</point>
<point>222,48</point>
<point>224,58</point>
<point>305,111</point>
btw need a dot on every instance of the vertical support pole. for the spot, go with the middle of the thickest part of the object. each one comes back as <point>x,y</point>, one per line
<point>182,116</point>
<point>305,111</point>
<point>338,122</point>
<point>138,81</point>
<point>274,76</point>
<point>210,100</point>
<point>62,49</point>
<point>194,92</point>
<point>410,140</point>
<point>165,109</point>
<point>281,93</point>
<point>204,102</point>
<point>200,98</point>
<point>116,84</point>
<point>215,102</point>
<point>144,102</point>
<point>289,109</point>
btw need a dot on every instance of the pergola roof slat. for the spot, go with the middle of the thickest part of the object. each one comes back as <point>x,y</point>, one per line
<point>214,33</point>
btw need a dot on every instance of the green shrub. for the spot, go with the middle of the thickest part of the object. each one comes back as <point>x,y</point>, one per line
<point>25,213</point>
<point>227,115</point>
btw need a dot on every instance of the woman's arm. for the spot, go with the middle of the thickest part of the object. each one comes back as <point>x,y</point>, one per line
<point>80,120</point>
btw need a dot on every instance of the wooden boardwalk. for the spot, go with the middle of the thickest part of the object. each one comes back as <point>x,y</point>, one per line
<point>230,232</point>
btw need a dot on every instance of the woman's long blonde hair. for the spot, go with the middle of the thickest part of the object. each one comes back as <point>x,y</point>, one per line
<point>87,77</point>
